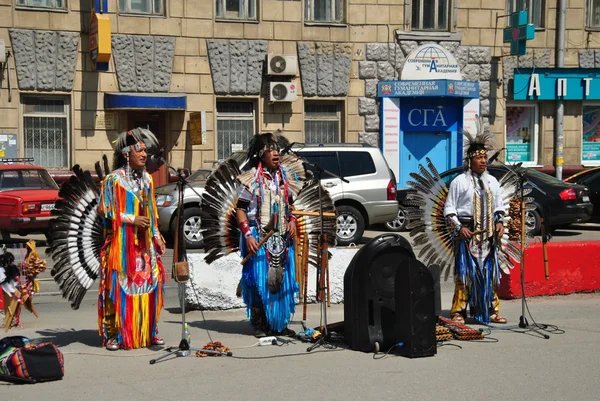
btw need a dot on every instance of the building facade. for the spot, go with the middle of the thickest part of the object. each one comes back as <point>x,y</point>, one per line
<point>205,75</point>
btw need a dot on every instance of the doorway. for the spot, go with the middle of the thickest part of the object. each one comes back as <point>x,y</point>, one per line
<point>155,121</point>
<point>418,146</point>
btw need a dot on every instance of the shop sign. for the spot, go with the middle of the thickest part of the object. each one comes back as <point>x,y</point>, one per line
<point>557,83</point>
<point>99,37</point>
<point>430,61</point>
<point>427,116</point>
<point>428,88</point>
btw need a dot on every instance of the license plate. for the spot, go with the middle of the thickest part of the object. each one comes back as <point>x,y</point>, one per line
<point>585,198</point>
<point>47,206</point>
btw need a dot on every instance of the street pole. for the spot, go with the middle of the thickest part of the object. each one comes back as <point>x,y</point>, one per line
<point>559,125</point>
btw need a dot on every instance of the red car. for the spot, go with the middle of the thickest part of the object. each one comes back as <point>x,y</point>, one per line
<point>27,197</point>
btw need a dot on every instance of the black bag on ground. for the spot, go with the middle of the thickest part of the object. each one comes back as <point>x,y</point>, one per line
<point>30,363</point>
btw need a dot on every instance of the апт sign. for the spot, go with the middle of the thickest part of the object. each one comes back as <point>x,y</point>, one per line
<point>431,61</point>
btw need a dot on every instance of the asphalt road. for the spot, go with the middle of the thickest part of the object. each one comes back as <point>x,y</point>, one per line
<point>508,365</point>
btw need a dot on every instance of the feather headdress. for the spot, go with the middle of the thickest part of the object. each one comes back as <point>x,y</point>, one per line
<point>478,143</point>
<point>130,138</point>
<point>263,142</point>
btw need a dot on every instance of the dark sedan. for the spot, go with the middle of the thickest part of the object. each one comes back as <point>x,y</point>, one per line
<point>591,179</point>
<point>563,203</point>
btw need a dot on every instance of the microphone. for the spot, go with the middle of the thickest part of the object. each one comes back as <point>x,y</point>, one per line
<point>287,149</point>
<point>157,157</point>
<point>494,156</point>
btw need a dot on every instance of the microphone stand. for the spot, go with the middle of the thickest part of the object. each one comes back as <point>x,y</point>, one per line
<point>522,181</point>
<point>322,257</point>
<point>184,348</point>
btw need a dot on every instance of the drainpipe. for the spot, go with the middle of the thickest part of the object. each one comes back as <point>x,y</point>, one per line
<point>559,125</point>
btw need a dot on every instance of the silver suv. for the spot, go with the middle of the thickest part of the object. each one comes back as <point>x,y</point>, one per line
<point>368,198</point>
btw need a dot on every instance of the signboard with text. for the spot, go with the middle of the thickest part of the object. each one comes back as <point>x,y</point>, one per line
<point>557,83</point>
<point>99,36</point>
<point>428,87</point>
<point>390,133</point>
<point>430,61</point>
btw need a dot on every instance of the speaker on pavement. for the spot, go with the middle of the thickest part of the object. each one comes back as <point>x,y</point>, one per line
<point>370,318</point>
<point>416,309</point>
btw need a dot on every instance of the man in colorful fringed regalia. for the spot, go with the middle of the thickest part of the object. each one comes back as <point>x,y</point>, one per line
<point>268,281</point>
<point>132,274</point>
<point>475,213</point>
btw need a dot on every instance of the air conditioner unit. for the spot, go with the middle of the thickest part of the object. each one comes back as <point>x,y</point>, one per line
<point>281,64</point>
<point>282,92</point>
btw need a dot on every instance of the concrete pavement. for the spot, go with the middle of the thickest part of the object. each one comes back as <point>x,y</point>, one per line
<point>505,366</point>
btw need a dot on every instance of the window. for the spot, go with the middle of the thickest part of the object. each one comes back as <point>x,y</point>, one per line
<point>150,7</point>
<point>326,160</point>
<point>58,4</point>
<point>356,163</point>
<point>236,9</point>
<point>590,146</point>
<point>324,10</point>
<point>521,133</point>
<point>536,10</point>
<point>593,14</point>
<point>321,122</point>
<point>235,127</point>
<point>430,15</point>
<point>46,130</point>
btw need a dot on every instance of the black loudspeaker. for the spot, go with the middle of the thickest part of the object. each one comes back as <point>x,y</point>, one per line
<point>416,309</point>
<point>370,319</point>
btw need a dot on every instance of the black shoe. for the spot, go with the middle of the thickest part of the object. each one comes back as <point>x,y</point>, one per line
<point>260,332</point>
<point>286,332</point>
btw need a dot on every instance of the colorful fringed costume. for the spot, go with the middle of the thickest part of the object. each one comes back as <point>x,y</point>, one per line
<point>477,203</point>
<point>94,234</point>
<point>268,283</point>
<point>132,279</point>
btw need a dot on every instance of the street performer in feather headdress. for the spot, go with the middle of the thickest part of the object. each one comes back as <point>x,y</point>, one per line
<point>475,216</point>
<point>268,281</point>
<point>252,213</point>
<point>132,274</point>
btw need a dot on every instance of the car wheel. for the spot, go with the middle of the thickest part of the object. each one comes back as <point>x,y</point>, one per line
<point>533,222</point>
<point>399,223</point>
<point>350,225</point>
<point>191,228</point>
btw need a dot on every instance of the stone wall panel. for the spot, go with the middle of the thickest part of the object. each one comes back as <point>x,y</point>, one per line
<point>164,49</point>
<point>238,57</point>
<point>144,62</point>
<point>218,54</point>
<point>67,58</point>
<point>237,65</point>
<point>257,50</point>
<point>325,68</point>
<point>342,61</point>
<point>586,58</point>
<point>123,53</point>
<point>308,67</point>
<point>45,60</point>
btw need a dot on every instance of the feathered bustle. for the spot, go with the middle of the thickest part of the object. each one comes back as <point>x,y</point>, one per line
<point>76,235</point>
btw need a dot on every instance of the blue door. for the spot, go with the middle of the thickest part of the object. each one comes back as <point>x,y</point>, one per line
<point>417,146</point>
